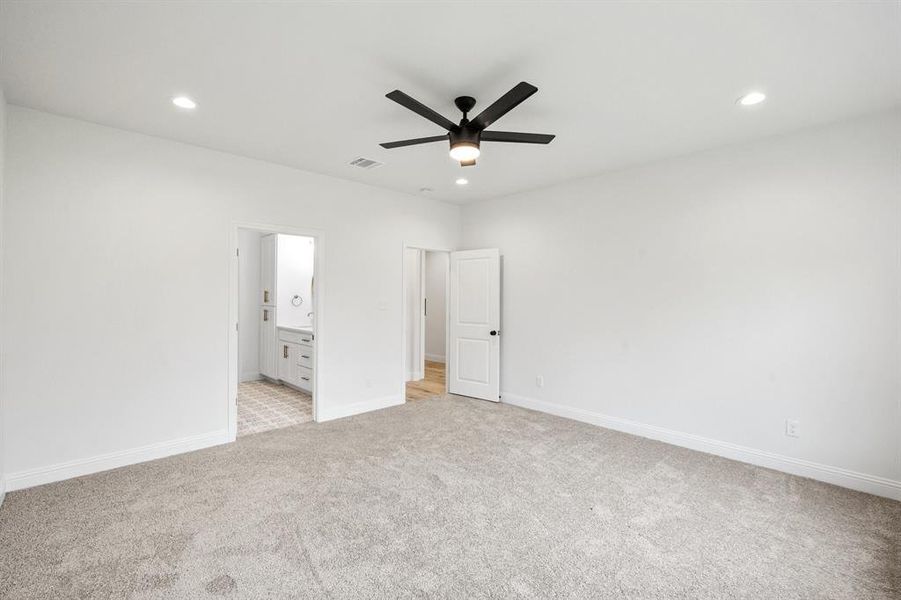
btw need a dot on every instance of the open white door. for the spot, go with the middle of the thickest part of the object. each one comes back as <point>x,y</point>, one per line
<point>473,360</point>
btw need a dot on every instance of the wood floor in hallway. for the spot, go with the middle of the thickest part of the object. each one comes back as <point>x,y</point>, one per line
<point>429,387</point>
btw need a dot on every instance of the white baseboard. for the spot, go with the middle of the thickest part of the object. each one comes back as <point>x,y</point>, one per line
<point>414,375</point>
<point>435,357</point>
<point>348,410</point>
<point>872,484</point>
<point>76,468</point>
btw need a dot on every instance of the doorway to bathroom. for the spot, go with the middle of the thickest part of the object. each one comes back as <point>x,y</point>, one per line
<point>275,293</point>
<point>425,322</point>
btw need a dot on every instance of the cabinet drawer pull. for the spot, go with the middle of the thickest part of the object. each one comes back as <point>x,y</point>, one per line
<point>285,351</point>
<point>266,314</point>
<point>306,339</point>
<point>266,296</point>
<point>305,378</point>
<point>304,356</point>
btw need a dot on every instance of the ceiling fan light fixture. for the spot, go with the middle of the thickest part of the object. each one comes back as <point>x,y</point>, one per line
<point>466,137</point>
<point>464,151</point>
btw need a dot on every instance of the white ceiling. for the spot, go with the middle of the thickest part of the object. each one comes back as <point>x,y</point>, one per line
<point>304,84</point>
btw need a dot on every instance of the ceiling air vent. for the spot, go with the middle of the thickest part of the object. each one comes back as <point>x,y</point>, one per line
<point>366,163</point>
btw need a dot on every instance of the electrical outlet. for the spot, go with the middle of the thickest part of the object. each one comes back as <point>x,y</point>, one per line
<point>792,428</point>
<point>539,381</point>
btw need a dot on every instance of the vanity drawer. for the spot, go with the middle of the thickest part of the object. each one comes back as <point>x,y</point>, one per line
<point>305,378</point>
<point>305,356</point>
<point>295,337</point>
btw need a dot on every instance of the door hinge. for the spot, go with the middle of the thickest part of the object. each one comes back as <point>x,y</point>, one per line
<point>237,252</point>
<point>236,327</point>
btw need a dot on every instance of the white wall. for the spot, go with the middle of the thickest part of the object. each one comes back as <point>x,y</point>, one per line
<point>412,312</point>
<point>294,275</point>
<point>249,304</point>
<point>713,295</point>
<point>436,319</point>
<point>127,240</point>
<point>718,295</point>
<point>2,260</point>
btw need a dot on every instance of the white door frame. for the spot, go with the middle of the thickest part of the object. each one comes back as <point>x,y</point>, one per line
<point>319,321</point>
<point>403,304</point>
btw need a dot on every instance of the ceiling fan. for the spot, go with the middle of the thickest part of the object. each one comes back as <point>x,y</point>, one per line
<point>466,137</point>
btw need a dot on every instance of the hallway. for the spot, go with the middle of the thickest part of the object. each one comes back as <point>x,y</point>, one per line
<point>429,387</point>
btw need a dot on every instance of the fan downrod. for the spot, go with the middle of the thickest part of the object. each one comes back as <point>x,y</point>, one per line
<point>465,104</point>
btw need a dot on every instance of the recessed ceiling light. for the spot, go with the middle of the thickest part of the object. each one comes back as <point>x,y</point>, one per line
<point>184,102</point>
<point>752,98</point>
<point>462,181</point>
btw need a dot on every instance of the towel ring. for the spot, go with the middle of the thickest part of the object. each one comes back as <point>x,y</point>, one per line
<point>296,300</point>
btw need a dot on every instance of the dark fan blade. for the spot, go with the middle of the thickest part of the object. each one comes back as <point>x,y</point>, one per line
<point>504,104</point>
<point>413,142</point>
<point>468,163</point>
<point>516,137</point>
<point>421,109</point>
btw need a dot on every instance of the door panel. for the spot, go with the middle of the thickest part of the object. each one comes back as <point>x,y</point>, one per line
<point>268,343</point>
<point>472,291</point>
<point>474,360</point>
<point>473,367</point>
<point>287,361</point>
<point>268,251</point>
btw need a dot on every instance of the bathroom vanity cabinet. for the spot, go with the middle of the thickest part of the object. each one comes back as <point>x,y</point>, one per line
<point>295,357</point>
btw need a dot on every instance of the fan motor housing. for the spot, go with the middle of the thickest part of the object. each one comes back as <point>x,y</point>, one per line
<point>465,135</point>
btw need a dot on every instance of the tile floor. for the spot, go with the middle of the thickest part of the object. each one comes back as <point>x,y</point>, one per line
<point>263,405</point>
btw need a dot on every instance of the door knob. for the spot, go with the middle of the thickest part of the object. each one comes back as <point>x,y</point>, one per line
<point>493,332</point>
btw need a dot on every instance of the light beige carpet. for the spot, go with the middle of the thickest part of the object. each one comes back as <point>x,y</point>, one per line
<point>447,498</point>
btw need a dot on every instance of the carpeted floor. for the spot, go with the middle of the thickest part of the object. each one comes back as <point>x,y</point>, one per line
<point>447,498</point>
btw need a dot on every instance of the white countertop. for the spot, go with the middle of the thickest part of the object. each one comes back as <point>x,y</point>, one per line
<point>297,328</point>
